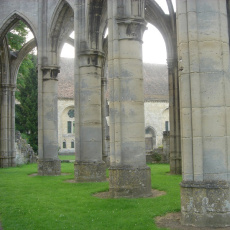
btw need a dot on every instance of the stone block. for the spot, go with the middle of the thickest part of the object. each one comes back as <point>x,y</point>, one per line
<point>89,171</point>
<point>92,151</point>
<point>130,49</point>
<point>131,68</point>
<point>49,167</point>
<point>132,111</point>
<point>185,99</point>
<point>212,89</point>
<point>129,182</point>
<point>213,122</point>
<point>205,204</point>
<point>132,89</point>
<point>186,124</point>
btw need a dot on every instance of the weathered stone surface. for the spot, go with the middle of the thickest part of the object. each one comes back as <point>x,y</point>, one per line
<point>89,171</point>
<point>129,182</point>
<point>205,204</point>
<point>49,167</point>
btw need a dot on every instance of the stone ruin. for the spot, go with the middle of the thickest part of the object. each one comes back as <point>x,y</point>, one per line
<point>24,152</point>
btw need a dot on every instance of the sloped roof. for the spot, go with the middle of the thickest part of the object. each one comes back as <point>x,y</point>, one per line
<point>155,81</point>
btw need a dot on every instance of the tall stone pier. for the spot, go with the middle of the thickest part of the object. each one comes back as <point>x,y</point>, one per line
<point>89,166</point>
<point>203,51</point>
<point>48,161</point>
<point>129,175</point>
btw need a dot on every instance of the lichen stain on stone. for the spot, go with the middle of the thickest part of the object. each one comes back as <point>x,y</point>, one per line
<point>226,206</point>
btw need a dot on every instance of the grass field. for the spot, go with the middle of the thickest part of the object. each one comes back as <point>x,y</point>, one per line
<point>45,203</point>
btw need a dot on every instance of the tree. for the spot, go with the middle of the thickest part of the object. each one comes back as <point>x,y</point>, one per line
<point>26,112</point>
<point>26,119</point>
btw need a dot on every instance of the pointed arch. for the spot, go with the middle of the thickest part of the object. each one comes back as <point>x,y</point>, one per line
<point>164,23</point>
<point>21,54</point>
<point>62,24</point>
<point>11,20</point>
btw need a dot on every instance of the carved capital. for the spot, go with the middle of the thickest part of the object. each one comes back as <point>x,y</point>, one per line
<point>131,28</point>
<point>103,81</point>
<point>91,58</point>
<point>50,72</point>
<point>172,63</point>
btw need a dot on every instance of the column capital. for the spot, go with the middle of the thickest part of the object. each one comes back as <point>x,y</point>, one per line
<point>131,28</point>
<point>50,72</point>
<point>171,62</point>
<point>103,81</point>
<point>91,57</point>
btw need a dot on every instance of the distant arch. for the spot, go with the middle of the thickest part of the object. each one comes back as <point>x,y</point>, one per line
<point>10,22</point>
<point>28,47</point>
<point>62,24</point>
<point>164,23</point>
<point>150,138</point>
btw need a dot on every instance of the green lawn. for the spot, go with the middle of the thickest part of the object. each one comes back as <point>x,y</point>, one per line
<point>66,157</point>
<point>43,203</point>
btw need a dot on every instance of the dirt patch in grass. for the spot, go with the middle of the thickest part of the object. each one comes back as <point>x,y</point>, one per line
<point>106,195</point>
<point>70,181</point>
<point>35,174</point>
<point>172,221</point>
<point>1,226</point>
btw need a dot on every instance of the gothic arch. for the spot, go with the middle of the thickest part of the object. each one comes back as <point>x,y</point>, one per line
<point>30,45</point>
<point>11,20</point>
<point>62,24</point>
<point>164,23</point>
<point>150,138</point>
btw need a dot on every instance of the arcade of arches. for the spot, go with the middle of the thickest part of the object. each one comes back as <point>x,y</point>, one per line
<point>197,42</point>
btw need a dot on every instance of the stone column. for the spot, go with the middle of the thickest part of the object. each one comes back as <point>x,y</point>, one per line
<point>48,162</point>
<point>129,175</point>
<point>4,154</point>
<point>12,126</point>
<point>105,131</point>
<point>89,166</point>
<point>203,51</point>
<point>174,117</point>
<point>166,146</point>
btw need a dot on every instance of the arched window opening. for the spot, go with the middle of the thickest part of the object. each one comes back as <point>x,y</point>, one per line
<point>150,139</point>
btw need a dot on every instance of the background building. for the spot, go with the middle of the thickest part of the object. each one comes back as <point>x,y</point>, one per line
<point>156,105</point>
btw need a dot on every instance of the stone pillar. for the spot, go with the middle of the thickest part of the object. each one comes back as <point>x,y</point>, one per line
<point>166,146</point>
<point>105,128</point>
<point>7,116</point>
<point>12,126</point>
<point>48,161</point>
<point>89,166</point>
<point>4,155</point>
<point>174,117</point>
<point>203,51</point>
<point>129,175</point>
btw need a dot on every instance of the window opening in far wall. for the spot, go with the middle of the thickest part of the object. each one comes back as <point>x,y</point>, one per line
<point>64,144</point>
<point>72,144</point>
<point>69,126</point>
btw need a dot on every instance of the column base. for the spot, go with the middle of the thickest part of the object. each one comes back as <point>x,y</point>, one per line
<point>89,171</point>
<point>49,167</point>
<point>129,182</point>
<point>205,204</point>
<point>6,162</point>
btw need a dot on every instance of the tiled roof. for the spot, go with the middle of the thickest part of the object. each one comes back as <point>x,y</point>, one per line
<point>66,78</point>
<point>155,80</point>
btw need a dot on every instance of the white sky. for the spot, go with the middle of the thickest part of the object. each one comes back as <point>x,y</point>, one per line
<point>154,50</point>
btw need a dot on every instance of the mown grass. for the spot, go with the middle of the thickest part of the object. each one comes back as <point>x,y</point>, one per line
<point>45,203</point>
<point>66,157</point>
